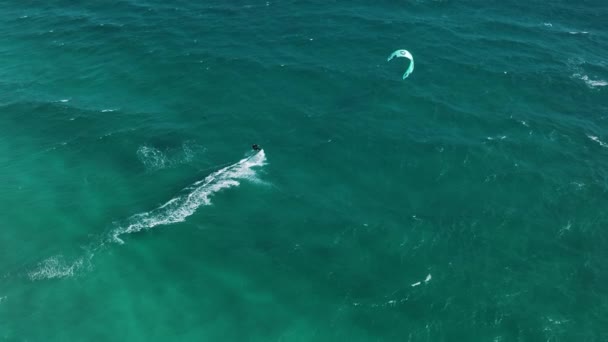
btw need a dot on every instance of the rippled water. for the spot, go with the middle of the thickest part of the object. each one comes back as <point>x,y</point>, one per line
<point>465,203</point>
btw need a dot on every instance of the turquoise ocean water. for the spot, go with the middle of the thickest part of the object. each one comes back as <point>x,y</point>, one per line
<point>468,202</point>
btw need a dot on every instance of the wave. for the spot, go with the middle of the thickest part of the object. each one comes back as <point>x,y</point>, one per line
<point>198,194</point>
<point>55,267</point>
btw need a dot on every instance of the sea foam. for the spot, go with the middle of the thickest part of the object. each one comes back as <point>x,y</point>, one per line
<point>591,83</point>
<point>55,267</point>
<point>155,159</point>
<point>597,140</point>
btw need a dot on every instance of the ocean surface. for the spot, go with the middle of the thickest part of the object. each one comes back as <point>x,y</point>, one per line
<point>468,202</point>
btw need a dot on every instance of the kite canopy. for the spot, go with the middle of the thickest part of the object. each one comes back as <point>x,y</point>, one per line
<point>404,54</point>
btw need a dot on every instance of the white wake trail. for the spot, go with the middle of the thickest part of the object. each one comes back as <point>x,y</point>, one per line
<point>198,194</point>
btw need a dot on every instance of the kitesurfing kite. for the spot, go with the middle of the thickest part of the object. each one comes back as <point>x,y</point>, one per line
<point>404,54</point>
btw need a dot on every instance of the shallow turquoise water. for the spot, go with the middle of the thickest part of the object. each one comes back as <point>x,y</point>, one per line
<point>133,210</point>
